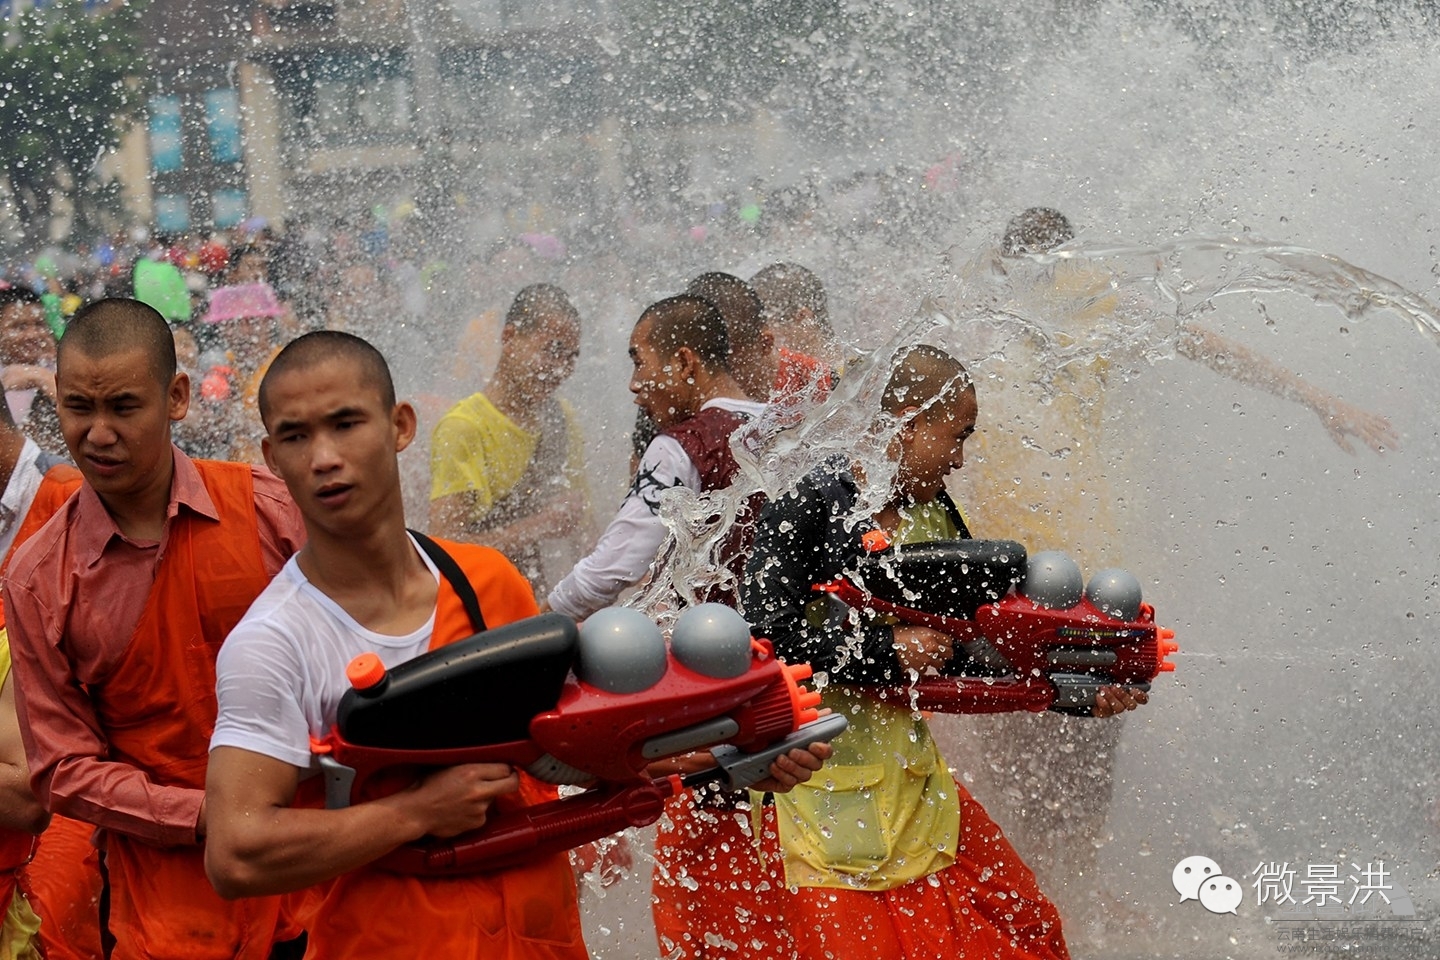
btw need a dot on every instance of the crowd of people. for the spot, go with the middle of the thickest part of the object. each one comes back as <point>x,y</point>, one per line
<point>212,451</point>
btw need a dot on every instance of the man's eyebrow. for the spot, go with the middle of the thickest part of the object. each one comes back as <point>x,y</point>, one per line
<point>127,396</point>
<point>341,413</point>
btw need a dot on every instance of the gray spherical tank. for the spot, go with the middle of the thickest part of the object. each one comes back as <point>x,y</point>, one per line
<point>1116,592</point>
<point>620,651</point>
<point>713,640</point>
<point>1054,580</point>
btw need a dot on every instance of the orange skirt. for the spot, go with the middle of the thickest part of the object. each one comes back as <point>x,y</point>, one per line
<point>952,913</point>
<point>62,883</point>
<point>712,896</point>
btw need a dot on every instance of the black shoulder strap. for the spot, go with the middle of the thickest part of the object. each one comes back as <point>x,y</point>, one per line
<point>950,508</point>
<point>452,573</point>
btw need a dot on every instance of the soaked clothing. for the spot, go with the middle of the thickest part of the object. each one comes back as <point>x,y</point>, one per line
<point>711,895</point>
<point>281,676</point>
<point>117,699</point>
<point>19,924</point>
<point>633,539</point>
<point>61,881</point>
<point>511,472</point>
<point>65,645</point>
<point>892,856</point>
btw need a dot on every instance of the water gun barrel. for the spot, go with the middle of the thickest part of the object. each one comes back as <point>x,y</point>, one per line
<point>521,836</point>
<point>509,696</point>
<point>1032,634</point>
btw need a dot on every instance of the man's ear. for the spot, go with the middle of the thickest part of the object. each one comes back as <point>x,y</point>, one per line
<point>407,422</point>
<point>687,365</point>
<point>177,398</point>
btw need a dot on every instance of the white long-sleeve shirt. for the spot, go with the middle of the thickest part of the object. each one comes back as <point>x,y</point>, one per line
<point>631,542</point>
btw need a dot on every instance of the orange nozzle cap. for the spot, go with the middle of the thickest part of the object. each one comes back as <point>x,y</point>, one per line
<point>798,671</point>
<point>875,540</point>
<point>1165,633</point>
<point>365,671</point>
<point>1167,667</point>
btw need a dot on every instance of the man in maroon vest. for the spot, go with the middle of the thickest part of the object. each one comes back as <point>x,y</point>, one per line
<point>709,882</point>
<point>679,349</point>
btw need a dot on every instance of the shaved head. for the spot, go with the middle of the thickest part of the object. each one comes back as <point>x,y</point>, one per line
<point>1036,230</point>
<point>117,325</point>
<point>322,346</point>
<point>924,375</point>
<point>688,321</point>
<point>736,301</point>
<point>537,303</point>
<point>786,290</point>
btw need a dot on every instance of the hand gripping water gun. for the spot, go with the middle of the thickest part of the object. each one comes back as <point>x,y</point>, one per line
<point>1031,634</point>
<point>509,696</point>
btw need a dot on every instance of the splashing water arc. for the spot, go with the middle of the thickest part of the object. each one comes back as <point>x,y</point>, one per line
<point>1301,578</point>
<point>1254,173</point>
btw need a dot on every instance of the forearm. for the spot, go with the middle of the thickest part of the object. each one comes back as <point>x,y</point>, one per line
<point>67,754</point>
<point>1244,365</point>
<point>19,810</point>
<point>283,849</point>
<point>119,797</point>
<point>623,555</point>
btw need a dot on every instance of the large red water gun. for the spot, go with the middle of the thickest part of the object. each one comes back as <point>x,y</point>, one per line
<point>1031,634</point>
<point>591,707</point>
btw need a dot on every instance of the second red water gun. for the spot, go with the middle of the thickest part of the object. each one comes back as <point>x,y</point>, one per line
<point>1031,634</point>
<point>591,707</point>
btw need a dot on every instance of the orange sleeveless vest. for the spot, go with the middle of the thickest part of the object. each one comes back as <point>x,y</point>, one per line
<point>524,913</point>
<point>158,711</point>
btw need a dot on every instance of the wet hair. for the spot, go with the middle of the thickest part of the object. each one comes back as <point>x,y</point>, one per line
<point>320,346</point>
<point>689,321</point>
<point>785,289</point>
<point>538,302</point>
<point>13,294</point>
<point>1035,231</point>
<point>738,304</point>
<point>922,376</point>
<point>117,324</point>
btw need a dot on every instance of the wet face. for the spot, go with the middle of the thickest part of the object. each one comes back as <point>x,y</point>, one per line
<point>25,336</point>
<point>932,445</point>
<point>658,382</point>
<point>333,441</point>
<point>544,354</point>
<point>115,416</point>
